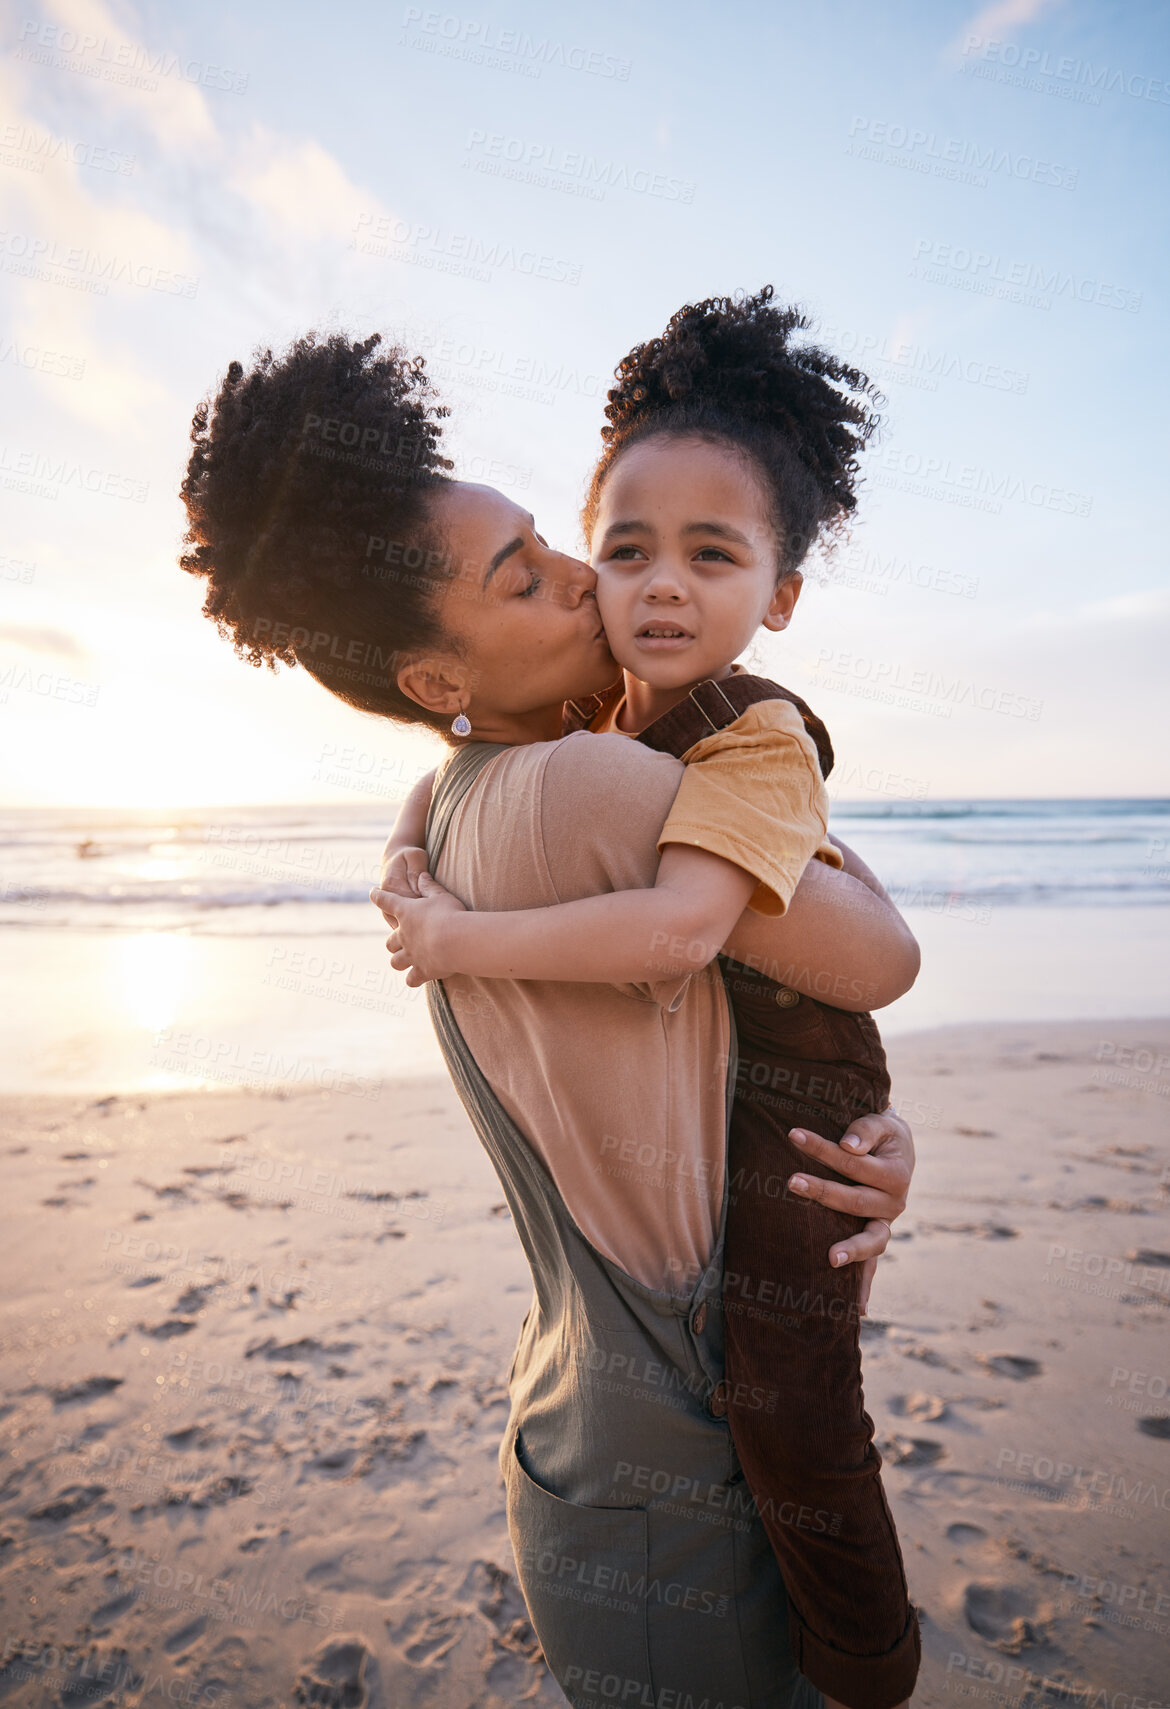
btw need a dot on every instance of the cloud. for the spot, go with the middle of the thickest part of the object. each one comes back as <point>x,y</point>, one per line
<point>298,185</point>
<point>227,201</point>
<point>57,642</point>
<point>991,21</point>
<point>175,112</point>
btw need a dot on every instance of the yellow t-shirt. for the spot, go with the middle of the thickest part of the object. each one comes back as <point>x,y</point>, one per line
<point>754,794</point>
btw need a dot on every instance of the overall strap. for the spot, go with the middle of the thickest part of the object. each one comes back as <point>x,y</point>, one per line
<point>526,1188</point>
<point>579,714</point>
<point>454,779</point>
<point>543,1221</point>
<point>712,706</point>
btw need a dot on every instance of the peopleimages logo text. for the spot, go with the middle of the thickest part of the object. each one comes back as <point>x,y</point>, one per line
<point>1082,73</point>
<point>981,264</point>
<point>571,164</point>
<point>533,51</point>
<point>125,57</point>
<point>961,152</point>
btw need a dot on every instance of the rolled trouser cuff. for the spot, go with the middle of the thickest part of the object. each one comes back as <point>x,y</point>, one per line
<point>861,1682</point>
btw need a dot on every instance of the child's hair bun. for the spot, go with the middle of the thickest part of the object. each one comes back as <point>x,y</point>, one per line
<point>730,367</point>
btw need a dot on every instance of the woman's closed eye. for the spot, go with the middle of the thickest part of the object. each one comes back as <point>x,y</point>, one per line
<point>527,592</point>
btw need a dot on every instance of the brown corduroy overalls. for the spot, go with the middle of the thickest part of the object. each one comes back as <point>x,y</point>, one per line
<point>792,1323</point>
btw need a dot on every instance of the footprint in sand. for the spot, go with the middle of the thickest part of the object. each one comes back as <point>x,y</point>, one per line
<point>1010,1365</point>
<point>301,1349</point>
<point>984,1230</point>
<point>911,1450</point>
<point>75,1499</point>
<point>926,1408</point>
<point>331,1460</point>
<point>426,1639</point>
<point>338,1675</point>
<point>1003,1614</point>
<point>514,1648</point>
<point>190,1436</point>
<point>173,1191</point>
<point>87,1389</point>
<point>185,1636</point>
<point>964,1535</point>
<point>110,1612</point>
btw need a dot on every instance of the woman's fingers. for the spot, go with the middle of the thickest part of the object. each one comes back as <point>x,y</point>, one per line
<point>869,1243</point>
<point>839,1196</point>
<point>872,1171</point>
<point>866,1133</point>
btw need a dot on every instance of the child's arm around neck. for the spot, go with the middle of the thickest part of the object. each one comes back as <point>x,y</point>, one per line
<point>626,937</point>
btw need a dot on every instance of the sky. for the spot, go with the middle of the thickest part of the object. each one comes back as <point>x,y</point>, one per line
<point>968,202</point>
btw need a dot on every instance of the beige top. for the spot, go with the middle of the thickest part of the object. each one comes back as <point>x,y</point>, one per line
<point>619,1089</point>
<point>753,793</point>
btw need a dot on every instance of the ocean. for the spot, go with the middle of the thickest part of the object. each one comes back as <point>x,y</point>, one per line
<point>150,948</point>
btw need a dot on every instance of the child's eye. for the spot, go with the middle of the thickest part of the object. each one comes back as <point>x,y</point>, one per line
<point>715,553</point>
<point>527,592</point>
<point>625,554</point>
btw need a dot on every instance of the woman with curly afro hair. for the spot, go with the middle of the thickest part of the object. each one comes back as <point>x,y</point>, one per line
<point>332,534</point>
<point>729,449</point>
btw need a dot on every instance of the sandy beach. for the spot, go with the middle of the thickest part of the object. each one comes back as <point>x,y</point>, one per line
<point>255,1344</point>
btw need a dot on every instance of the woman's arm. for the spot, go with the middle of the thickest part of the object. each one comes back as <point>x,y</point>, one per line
<point>856,868</point>
<point>614,939</point>
<point>838,941</point>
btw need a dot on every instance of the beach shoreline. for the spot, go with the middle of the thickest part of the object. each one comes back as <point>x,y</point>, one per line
<point>254,1347</point>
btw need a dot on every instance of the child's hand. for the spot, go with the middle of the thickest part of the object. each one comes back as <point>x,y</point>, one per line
<point>400,876</point>
<point>401,872</point>
<point>418,946</point>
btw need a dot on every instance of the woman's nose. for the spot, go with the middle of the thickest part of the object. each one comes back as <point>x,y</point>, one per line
<point>578,581</point>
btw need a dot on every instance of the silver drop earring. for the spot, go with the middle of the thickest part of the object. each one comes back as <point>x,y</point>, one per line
<point>461,724</point>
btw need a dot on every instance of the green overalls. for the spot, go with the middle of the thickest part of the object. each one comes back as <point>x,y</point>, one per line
<point>647,1572</point>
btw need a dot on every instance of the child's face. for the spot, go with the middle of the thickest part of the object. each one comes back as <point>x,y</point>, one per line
<point>685,556</point>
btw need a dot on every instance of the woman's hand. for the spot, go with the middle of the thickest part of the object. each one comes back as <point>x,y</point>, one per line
<point>877,1151</point>
<point>419,914</point>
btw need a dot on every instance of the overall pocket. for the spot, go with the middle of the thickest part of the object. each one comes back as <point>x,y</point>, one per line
<point>583,1574</point>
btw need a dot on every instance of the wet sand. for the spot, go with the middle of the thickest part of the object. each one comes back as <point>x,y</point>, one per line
<point>254,1347</point>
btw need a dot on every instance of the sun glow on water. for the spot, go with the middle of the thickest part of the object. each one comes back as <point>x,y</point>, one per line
<point>154,969</point>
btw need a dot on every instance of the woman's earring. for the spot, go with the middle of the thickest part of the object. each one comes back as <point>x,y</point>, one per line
<point>461,725</point>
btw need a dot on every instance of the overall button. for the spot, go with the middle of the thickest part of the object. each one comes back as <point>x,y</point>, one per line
<point>717,1405</point>
<point>699,1318</point>
<point>787,999</point>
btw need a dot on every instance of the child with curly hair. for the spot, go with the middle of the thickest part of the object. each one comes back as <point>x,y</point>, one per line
<point>729,450</point>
